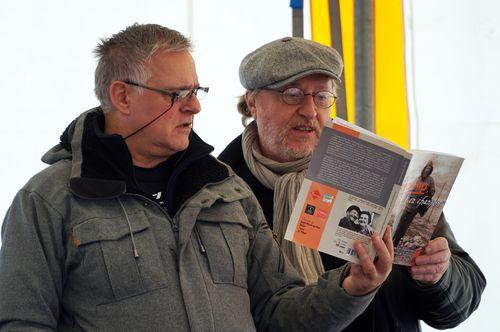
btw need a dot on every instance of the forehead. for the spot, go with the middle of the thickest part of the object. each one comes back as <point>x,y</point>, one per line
<point>172,70</point>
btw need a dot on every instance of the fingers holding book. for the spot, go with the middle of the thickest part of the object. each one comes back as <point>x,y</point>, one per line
<point>368,275</point>
<point>432,264</point>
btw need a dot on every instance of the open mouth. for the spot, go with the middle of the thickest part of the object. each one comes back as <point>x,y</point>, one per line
<point>306,129</point>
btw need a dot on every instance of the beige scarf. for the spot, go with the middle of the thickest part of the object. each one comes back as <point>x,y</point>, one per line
<point>285,179</point>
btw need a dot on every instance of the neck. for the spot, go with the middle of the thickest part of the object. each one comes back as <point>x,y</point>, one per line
<point>146,161</point>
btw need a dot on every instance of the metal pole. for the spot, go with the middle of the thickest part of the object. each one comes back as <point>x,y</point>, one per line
<point>297,18</point>
<point>363,63</point>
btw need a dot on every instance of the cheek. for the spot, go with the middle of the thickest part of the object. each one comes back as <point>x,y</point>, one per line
<point>323,116</point>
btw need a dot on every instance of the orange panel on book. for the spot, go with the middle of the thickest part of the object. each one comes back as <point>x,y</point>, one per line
<point>345,130</point>
<point>314,215</point>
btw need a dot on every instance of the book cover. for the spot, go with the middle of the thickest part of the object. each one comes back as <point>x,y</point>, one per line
<point>353,178</point>
<point>358,183</point>
<point>419,205</point>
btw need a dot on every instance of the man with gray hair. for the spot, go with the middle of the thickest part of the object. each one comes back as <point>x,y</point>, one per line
<point>135,227</point>
<point>291,86</point>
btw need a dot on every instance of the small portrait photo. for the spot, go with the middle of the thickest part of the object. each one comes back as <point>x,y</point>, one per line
<point>358,220</point>
<point>366,222</point>
<point>351,219</point>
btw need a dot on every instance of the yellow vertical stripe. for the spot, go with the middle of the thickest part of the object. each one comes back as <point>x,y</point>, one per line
<point>347,24</point>
<point>320,27</point>
<point>391,111</point>
<point>320,22</point>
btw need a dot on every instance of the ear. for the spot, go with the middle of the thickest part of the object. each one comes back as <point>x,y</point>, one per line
<point>250,100</point>
<point>119,96</point>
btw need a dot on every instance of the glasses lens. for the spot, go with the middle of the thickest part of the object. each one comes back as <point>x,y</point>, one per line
<point>324,99</point>
<point>201,92</point>
<point>181,94</point>
<point>293,96</point>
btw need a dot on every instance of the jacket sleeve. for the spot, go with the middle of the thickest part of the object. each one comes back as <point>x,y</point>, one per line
<point>458,293</point>
<point>31,258</point>
<point>279,299</point>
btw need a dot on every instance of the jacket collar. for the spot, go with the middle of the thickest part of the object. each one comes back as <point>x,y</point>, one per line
<point>101,164</point>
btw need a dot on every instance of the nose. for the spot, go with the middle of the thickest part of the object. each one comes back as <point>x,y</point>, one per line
<point>191,105</point>
<point>308,108</point>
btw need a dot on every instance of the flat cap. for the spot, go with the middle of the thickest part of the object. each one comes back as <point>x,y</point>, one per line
<point>286,60</point>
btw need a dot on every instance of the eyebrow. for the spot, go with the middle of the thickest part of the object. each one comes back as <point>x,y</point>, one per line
<point>184,87</point>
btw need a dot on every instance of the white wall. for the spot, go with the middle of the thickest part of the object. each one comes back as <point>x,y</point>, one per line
<point>456,47</point>
<point>46,67</point>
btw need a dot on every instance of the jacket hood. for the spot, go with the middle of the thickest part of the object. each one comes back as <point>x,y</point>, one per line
<point>101,164</point>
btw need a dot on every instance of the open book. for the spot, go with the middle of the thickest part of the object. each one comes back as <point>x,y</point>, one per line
<point>358,183</point>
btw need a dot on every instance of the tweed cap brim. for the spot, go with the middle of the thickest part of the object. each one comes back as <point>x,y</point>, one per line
<point>283,61</point>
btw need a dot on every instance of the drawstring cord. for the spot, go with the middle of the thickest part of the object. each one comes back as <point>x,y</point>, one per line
<point>136,253</point>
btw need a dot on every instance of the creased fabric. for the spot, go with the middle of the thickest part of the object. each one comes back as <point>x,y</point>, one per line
<point>285,179</point>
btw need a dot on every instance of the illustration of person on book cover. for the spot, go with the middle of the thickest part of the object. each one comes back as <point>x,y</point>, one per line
<point>425,190</point>
<point>419,199</point>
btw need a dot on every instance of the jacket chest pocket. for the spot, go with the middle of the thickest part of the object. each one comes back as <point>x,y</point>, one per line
<point>107,246</point>
<point>225,245</point>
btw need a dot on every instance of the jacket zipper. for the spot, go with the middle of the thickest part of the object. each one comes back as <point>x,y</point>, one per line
<point>173,222</point>
<point>200,241</point>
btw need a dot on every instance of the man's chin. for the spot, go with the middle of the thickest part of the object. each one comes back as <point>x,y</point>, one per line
<point>295,153</point>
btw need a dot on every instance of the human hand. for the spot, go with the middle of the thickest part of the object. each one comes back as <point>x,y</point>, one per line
<point>366,276</point>
<point>433,262</point>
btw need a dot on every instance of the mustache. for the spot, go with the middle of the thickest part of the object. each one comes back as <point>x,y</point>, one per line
<point>314,124</point>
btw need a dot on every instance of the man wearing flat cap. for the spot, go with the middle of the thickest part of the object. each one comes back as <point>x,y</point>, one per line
<point>291,84</point>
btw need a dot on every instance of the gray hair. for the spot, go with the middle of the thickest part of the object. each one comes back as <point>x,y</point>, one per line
<point>126,54</point>
<point>242,106</point>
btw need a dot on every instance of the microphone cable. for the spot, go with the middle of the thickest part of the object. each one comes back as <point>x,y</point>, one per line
<point>150,122</point>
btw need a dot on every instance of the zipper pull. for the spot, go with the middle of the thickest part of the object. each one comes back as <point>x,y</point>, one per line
<point>200,242</point>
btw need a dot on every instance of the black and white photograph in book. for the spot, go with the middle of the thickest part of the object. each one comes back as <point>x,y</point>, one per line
<point>358,220</point>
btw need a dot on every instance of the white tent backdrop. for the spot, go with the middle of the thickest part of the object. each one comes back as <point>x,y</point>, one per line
<point>47,80</point>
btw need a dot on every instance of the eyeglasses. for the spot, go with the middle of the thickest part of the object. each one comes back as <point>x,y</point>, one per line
<point>295,96</point>
<point>199,92</point>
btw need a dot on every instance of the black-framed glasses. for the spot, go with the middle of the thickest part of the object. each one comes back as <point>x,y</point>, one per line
<point>295,96</point>
<point>199,92</point>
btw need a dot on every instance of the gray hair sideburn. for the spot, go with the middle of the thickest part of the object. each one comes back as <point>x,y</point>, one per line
<point>242,106</point>
<point>126,54</point>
